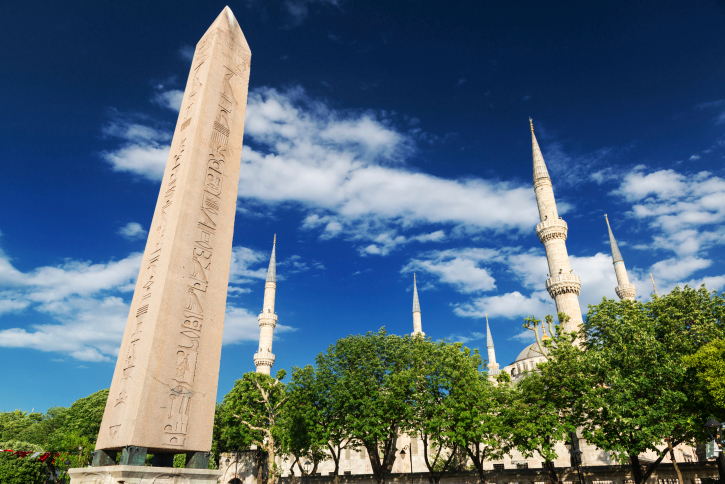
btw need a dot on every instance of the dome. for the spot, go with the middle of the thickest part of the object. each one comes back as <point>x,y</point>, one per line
<point>531,351</point>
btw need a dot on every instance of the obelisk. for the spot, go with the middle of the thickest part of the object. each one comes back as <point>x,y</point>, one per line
<point>164,388</point>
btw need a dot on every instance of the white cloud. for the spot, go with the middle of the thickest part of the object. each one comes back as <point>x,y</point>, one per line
<point>569,170</point>
<point>241,325</point>
<point>685,212</point>
<point>11,301</point>
<point>347,170</point>
<point>526,336</point>
<point>170,99</point>
<point>86,302</point>
<point>186,52</point>
<point>466,338</point>
<point>346,167</point>
<point>243,258</point>
<point>144,150</point>
<point>677,269</point>
<point>79,296</point>
<point>461,268</point>
<point>510,305</point>
<point>133,231</point>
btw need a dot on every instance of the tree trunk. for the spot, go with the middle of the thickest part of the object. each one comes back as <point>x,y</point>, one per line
<point>271,476</point>
<point>260,465</point>
<point>481,472</point>
<point>292,467</point>
<point>654,465</point>
<point>674,462</point>
<point>636,469</point>
<point>378,468</point>
<point>336,459</point>
<point>477,459</point>
<point>553,474</point>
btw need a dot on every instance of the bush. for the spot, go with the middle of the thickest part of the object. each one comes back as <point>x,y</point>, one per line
<point>20,470</point>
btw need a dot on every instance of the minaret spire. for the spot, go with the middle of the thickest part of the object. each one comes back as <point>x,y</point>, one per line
<point>540,170</point>
<point>654,285</point>
<point>563,285</point>
<point>492,365</point>
<point>272,271</point>
<point>264,358</point>
<point>417,325</point>
<point>624,289</point>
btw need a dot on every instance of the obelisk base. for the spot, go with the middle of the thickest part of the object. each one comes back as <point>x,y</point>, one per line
<point>142,475</point>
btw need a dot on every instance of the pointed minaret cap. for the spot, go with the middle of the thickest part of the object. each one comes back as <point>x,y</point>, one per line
<point>540,170</point>
<point>616,255</point>
<point>654,286</point>
<point>227,21</point>
<point>272,271</point>
<point>416,303</point>
<point>489,339</point>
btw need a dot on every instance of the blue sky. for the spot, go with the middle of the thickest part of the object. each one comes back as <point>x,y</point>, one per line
<point>382,139</point>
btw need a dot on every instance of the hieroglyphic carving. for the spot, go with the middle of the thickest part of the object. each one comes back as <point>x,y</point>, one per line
<point>191,312</point>
<point>187,108</point>
<point>142,302</point>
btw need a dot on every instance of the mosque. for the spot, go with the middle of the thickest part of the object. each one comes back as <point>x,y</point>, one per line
<point>563,286</point>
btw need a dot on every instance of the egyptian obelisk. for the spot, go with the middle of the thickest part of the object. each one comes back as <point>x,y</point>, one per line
<point>164,388</point>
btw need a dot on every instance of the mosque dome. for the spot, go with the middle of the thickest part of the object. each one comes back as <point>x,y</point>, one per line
<point>531,351</point>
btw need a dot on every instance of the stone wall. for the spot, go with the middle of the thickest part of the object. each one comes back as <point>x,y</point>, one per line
<point>692,473</point>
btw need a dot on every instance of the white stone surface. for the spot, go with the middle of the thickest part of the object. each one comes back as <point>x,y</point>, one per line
<point>164,388</point>
<point>142,475</point>
<point>264,358</point>
<point>563,285</point>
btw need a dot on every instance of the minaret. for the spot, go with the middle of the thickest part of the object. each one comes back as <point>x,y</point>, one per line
<point>563,285</point>
<point>417,325</point>
<point>492,365</point>
<point>624,289</point>
<point>264,358</point>
<point>654,286</point>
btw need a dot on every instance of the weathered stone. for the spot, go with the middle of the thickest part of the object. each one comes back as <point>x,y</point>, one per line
<point>563,285</point>
<point>142,475</point>
<point>164,387</point>
<point>264,358</point>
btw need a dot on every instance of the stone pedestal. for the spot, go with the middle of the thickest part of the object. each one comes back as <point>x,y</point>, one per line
<point>143,475</point>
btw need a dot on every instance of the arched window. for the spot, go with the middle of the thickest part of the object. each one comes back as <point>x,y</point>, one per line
<point>235,481</point>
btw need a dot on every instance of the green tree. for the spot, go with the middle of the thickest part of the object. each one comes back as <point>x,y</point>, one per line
<point>252,413</point>
<point>535,422</point>
<point>21,470</point>
<point>474,416</point>
<point>18,425</point>
<point>625,383</point>
<point>435,375</point>
<point>373,394</point>
<point>709,364</point>
<point>315,422</point>
<point>538,422</point>
<point>84,416</point>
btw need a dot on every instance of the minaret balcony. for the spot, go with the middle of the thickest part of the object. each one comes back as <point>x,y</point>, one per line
<point>267,318</point>
<point>563,284</point>
<point>264,358</point>
<point>625,291</point>
<point>554,228</point>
